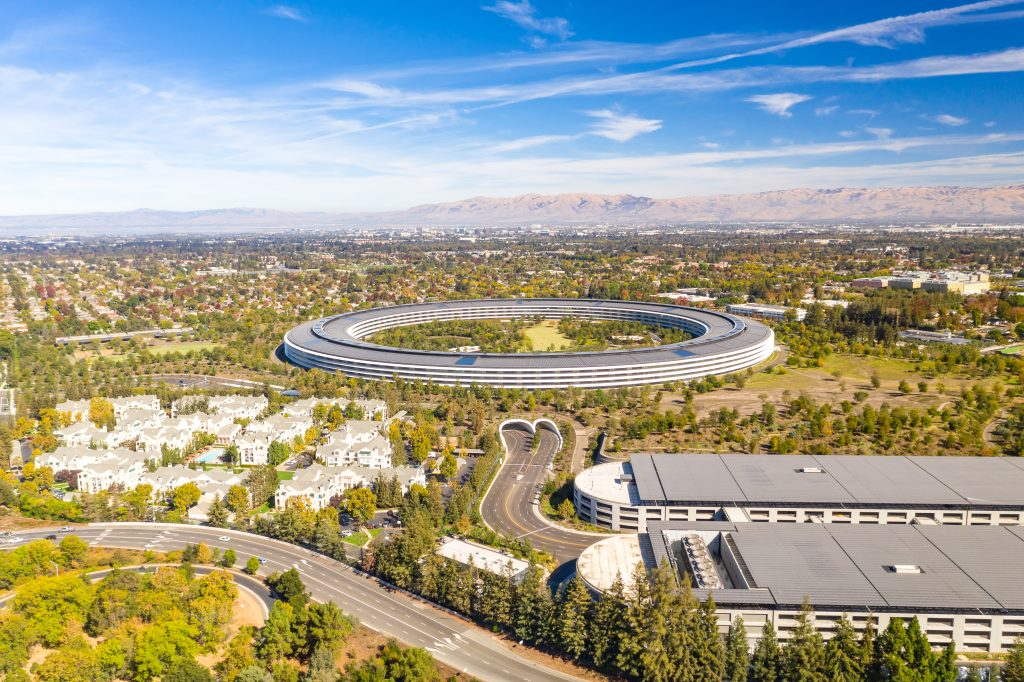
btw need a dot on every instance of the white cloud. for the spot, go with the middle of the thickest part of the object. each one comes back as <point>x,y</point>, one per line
<point>826,111</point>
<point>621,127</point>
<point>870,113</point>
<point>848,134</point>
<point>710,145</point>
<point>779,103</point>
<point>285,12</point>
<point>524,15</point>
<point>949,120</point>
<point>881,133</point>
<point>530,142</point>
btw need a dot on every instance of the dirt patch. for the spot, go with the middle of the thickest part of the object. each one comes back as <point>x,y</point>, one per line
<point>365,643</point>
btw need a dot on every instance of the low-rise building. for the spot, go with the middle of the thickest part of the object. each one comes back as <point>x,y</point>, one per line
<point>319,484</point>
<point>77,410</point>
<point>357,442</point>
<point>238,406</point>
<point>765,311</point>
<point>253,448</point>
<point>484,558</point>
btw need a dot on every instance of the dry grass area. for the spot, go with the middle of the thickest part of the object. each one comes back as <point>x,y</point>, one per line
<point>545,336</point>
<point>821,385</point>
<point>365,643</point>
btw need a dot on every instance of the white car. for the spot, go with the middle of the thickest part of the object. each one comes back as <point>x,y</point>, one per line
<point>224,538</point>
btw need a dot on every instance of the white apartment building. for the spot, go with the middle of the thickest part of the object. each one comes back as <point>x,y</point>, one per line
<point>319,484</point>
<point>253,448</point>
<point>77,410</point>
<point>372,454</point>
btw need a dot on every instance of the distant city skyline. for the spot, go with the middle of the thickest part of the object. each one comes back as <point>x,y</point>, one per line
<point>111,105</point>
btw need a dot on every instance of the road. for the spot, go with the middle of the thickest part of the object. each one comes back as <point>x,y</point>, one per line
<point>509,505</point>
<point>205,381</point>
<point>448,638</point>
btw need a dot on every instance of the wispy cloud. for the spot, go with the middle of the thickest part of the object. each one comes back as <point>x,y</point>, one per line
<point>524,15</point>
<point>778,103</point>
<point>881,133</point>
<point>530,142</point>
<point>286,12</point>
<point>826,111</point>
<point>621,127</point>
<point>948,120</point>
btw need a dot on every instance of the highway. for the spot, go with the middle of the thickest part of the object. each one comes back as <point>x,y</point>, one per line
<point>394,614</point>
<point>509,505</point>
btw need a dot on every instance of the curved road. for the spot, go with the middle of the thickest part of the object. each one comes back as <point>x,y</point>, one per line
<point>509,505</point>
<point>450,639</point>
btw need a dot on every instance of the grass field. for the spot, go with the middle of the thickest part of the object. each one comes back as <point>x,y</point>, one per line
<point>1013,350</point>
<point>118,352</point>
<point>285,475</point>
<point>545,336</point>
<point>359,539</point>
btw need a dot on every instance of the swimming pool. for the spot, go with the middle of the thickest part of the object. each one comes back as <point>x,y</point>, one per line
<point>211,456</point>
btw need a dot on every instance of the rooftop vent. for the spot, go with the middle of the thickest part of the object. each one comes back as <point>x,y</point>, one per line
<point>905,568</point>
<point>811,470</point>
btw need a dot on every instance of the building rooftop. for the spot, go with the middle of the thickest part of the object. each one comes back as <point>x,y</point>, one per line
<point>826,481</point>
<point>482,557</point>
<point>866,567</point>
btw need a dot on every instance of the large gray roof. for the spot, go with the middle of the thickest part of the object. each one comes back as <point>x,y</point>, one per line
<point>844,480</point>
<point>849,567</point>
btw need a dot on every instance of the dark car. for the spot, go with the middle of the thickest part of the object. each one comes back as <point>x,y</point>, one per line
<point>51,537</point>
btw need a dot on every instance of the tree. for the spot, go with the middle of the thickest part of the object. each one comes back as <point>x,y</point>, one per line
<point>277,453</point>
<point>766,663</point>
<point>217,515</point>
<point>185,496</point>
<point>605,624</point>
<point>289,587</point>
<point>573,614</point>
<point>229,558</point>
<point>395,664</point>
<point>449,466</point>
<point>360,503</point>
<point>252,566</point>
<point>14,642</point>
<point>876,381</point>
<point>73,550</point>
<point>1013,671</point>
<point>737,653</point>
<point>566,511</point>
<point>101,413</point>
<point>186,670</point>
<point>262,482</point>
<point>803,659</point>
<point>237,500</point>
<point>843,659</point>
<point>327,537</point>
<point>275,637</point>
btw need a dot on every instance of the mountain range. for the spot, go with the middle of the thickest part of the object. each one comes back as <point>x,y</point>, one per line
<point>861,205</point>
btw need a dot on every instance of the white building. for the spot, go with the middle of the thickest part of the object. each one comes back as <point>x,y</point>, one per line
<point>153,440</point>
<point>238,406</point>
<point>97,470</point>
<point>320,484</point>
<point>282,428</point>
<point>77,410</point>
<point>84,434</point>
<point>484,558</point>
<point>765,311</point>
<point>253,448</point>
<point>134,402</point>
<point>357,442</point>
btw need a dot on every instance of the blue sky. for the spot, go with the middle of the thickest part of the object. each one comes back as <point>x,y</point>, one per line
<point>348,106</point>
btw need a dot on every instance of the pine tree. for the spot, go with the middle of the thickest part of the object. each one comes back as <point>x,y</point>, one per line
<point>766,663</point>
<point>737,654</point>
<point>973,675</point>
<point>945,667</point>
<point>649,623</point>
<point>803,659</point>
<point>573,613</point>
<point>893,652</point>
<point>606,623</point>
<point>868,655</point>
<point>843,662</point>
<point>217,515</point>
<point>708,664</point>
<point>1013,671</point>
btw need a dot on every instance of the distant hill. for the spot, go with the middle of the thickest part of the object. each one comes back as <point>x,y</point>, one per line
<point>886,205</point>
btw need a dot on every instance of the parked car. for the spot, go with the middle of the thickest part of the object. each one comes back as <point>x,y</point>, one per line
<point>51,537</point>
